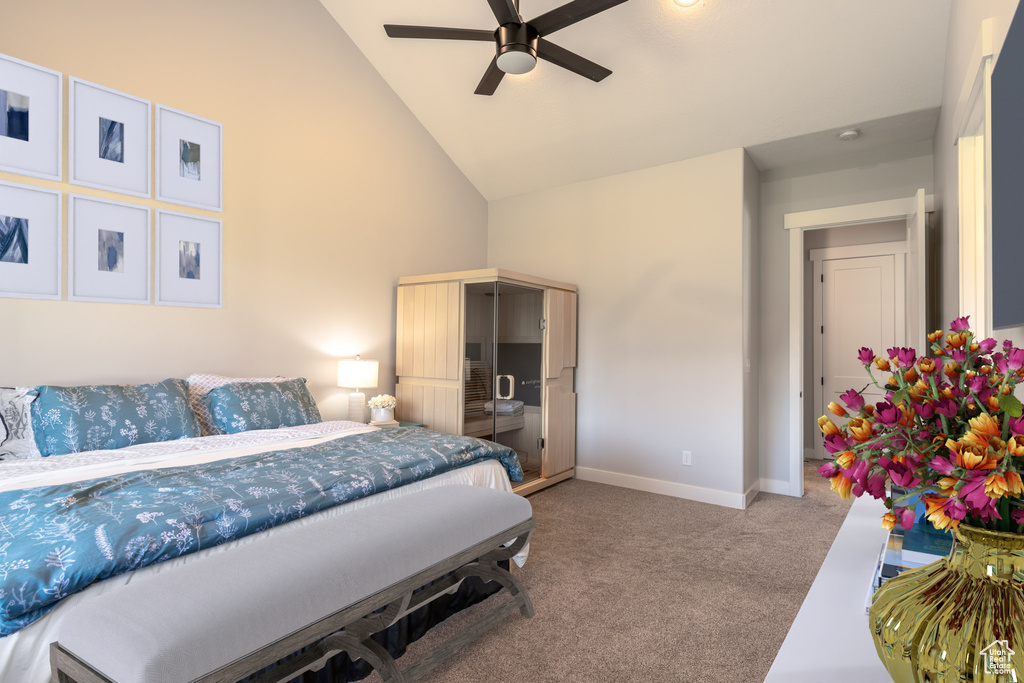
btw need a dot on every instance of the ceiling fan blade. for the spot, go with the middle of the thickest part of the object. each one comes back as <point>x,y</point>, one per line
<point>571,61</point>
<point>569,13</point>
<point>438,33</point>
<point>505,11</point>
<point>492,77</point>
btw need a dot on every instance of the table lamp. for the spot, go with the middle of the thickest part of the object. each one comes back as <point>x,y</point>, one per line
<point>357,374</point>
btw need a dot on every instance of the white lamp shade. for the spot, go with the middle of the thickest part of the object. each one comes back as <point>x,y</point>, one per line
<point>357,374</point>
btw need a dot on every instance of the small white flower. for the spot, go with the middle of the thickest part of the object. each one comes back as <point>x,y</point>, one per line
<point>385,401</point>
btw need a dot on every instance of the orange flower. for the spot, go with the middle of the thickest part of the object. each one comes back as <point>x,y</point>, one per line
<point>986,369</point>
<point>947,485</point>
<point>976,459</point>
<point>842,486</point>
<point>1014,486</point>
<point>974,346</point>
<point>951,370</point>
<point>869,409</point>
<point>889,521</point>
<point>927,365</point>
<point>955,341</point>
<point>937,515</point>
<point>910,375</point>
<point>882,364</point>
<point>940,352</point>
<point>846,459</point>
<point>995,486</point>
<point>993,403</point>
<point>828,427</point>
<point>985,424</point>
<point>946,393</point>
<point>860,429</point>
<point>1016,446</point>
<point>1006,391</point>
<point>836,409</point>
<point>935,336</point>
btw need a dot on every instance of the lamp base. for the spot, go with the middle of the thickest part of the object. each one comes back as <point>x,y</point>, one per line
<point>357,406</point>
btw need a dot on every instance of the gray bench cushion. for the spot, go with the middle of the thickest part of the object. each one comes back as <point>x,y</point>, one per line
<point>177,625</point>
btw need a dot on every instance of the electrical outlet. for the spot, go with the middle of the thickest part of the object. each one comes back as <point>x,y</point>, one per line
<point>687,458</point>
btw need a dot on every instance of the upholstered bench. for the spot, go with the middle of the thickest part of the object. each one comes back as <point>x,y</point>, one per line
<point>227,615</point>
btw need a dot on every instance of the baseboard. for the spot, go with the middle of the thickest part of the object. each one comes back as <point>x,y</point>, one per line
<point>666,488</point>
<point>751,493</point>
<point>775,486</point>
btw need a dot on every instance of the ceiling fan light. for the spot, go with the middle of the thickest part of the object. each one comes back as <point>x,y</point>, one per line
<point>516,59</point>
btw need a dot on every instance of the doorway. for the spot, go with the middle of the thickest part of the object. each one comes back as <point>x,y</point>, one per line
<point>859,299</point>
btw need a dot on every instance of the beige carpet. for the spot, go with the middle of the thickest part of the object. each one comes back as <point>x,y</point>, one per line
<point>632,586</point>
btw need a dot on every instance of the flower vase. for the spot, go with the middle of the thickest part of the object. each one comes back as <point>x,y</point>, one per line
<point>957,619</point>
<point>382,414</point>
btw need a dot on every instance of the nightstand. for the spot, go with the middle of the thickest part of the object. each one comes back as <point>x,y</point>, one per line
<point>409,424</point>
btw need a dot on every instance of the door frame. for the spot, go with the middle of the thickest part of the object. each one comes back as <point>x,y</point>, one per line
<point>796,223</point>
<point>818,258</point>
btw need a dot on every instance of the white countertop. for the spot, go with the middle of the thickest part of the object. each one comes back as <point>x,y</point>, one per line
<point>830,639</point>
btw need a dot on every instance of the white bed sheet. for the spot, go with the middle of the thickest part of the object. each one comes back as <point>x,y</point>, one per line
<point>24,656</point>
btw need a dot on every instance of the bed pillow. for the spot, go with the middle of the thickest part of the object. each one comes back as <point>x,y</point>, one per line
<point>200,385</point>
<point>16,438</point>
<point>104,417</point>
<point>242,406</point>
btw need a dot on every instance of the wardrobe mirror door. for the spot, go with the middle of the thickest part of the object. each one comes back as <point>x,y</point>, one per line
<point>515,408</point>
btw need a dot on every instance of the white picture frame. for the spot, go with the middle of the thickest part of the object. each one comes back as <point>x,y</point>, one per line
<point>35,274</point>
<point>189,260</point>
<point>197,182</point>
<point>32,119</point>
<point>109,139</point>
<point>108,251</point>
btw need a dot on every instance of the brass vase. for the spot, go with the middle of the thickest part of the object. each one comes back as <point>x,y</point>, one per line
<point>960,619</point>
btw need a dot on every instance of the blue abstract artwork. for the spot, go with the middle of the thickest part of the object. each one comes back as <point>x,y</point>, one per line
<point>188,260</point>
<point>13,240</point>
<point>189,159</point>
<point>111,251</point>
<point>13,115</point>
<point>111,140</point>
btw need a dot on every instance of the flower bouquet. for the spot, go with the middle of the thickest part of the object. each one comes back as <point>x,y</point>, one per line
<point>382,408</point>
<point>949,431</point>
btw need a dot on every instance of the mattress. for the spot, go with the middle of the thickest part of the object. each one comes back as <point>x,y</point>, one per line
<point>24,655</point>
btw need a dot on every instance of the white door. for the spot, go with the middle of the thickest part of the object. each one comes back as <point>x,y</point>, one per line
<point>862,303</point>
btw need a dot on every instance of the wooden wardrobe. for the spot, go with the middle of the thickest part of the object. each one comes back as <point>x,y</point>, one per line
<point>492,353</point>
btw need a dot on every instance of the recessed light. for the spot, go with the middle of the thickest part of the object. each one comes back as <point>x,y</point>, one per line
<point>686,3</point>
<point>848,135</point>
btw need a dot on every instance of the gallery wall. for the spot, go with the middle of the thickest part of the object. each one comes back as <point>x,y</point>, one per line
<point>332,190</point>
<point>658,256</point>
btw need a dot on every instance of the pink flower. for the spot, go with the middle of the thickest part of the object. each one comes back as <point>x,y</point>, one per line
<point>987,345</point>
<point>1017,426</point>
<point>999,360</point>
<point>958,355</point>
<point>942,465</point>
<point>835,443</point>
<point>1015,359</point>
<point>925,410</point>
<point>876,486</point>
<point>1018,515</point>
<point>905,517</point>
<point>853,400</point>
<point>955,508</point>
<point>828,470</point>
<point>946,407</point>
<point>977,383</point>
<point>960,324</point>
<point>973,493</point>
<point>865,355</point>
<point>904,478</point>
<point>887,414</point>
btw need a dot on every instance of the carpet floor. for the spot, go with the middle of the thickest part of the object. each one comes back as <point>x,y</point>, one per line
<point>634,586</point>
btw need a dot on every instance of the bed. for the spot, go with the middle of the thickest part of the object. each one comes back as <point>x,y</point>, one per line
<point>102,488</point>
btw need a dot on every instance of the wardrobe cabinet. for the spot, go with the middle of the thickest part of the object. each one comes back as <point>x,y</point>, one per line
<point>492,354</point>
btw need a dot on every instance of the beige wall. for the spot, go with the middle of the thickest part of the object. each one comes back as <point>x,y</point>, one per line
<point>332,190</point>
<point>891,173</point>
<point>658,257</point>
<point>964,34</point>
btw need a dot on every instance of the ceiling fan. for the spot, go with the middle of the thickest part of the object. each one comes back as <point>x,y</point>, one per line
<point>520,43</point>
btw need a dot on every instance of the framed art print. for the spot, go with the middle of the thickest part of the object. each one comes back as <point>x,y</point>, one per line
<point>31,119</point>
<point>30,242</point>
<point>188,159</point>
<point>188,260</point>
<point>108,251</point>
<point>109,139</point>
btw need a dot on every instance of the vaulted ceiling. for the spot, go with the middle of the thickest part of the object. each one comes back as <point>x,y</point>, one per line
<point>685,82</point>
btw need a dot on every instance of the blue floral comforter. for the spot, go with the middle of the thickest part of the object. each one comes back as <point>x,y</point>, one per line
<point>57,540</point>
